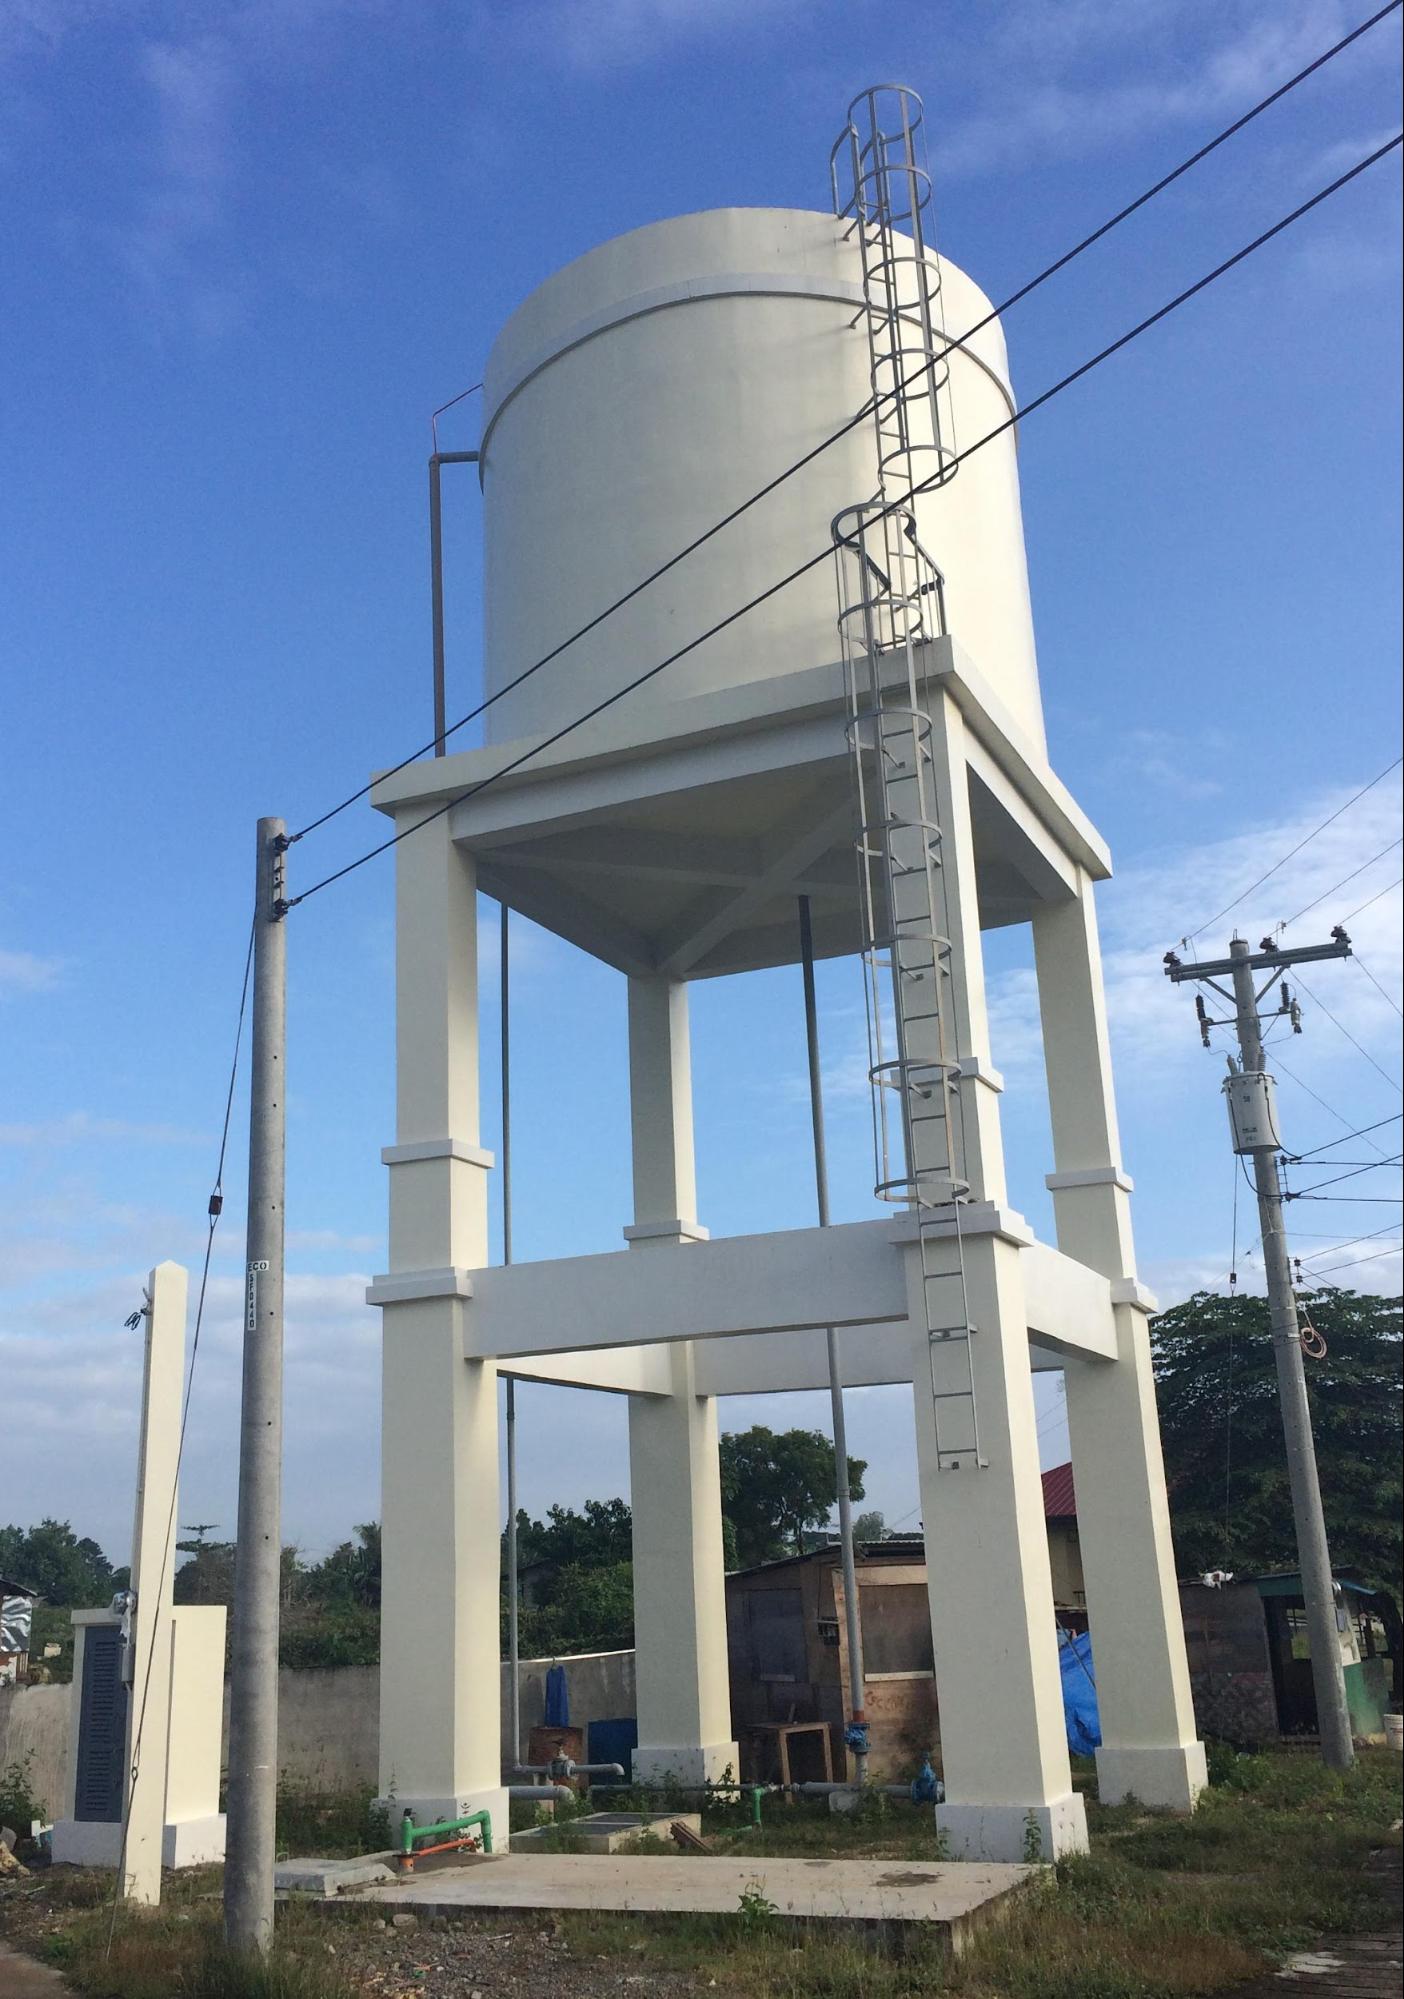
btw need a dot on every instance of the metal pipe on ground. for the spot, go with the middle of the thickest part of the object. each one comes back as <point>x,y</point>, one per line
<point>543,1794</point>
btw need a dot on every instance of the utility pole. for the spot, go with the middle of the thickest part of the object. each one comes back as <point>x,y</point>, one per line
<point>856,1728</point>
<point>253,1697</point>
<point>1252,1116</point>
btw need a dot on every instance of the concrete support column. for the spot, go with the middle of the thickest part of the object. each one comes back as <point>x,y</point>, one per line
<point>1149,1749</point>
<point>440,1686</point>
<point>684,1697</point>
<point>1003,1739</point>
<point>981,1086</point>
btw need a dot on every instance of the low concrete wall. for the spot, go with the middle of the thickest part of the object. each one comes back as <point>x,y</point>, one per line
<point>328,1723</point>
<point>34,1733</point>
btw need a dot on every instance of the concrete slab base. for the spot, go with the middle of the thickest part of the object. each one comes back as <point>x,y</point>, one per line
<point>1014,1832</point>
<point>686,1763</point>
<point>325,1878</point>
<point>953,1898</point>
<point>1171,1778</point>
<point>607,1832</point>
<point>98,1842</point>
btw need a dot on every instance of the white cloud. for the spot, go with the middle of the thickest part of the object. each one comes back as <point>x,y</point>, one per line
<point>1051,96</point>
<point>27,972</point>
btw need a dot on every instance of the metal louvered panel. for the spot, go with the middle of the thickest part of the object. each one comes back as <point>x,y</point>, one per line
<point>102,1727</point>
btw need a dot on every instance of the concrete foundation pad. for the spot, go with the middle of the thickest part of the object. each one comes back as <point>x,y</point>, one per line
<point>863,1892</point>
<point>607,1832</point>
<point>1014,1832</point>
<point>332,1877</point>
<point>98,1842</point>
<point>1171,1778</point>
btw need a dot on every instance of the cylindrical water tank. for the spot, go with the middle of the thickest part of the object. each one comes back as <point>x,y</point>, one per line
<point>645,390</point>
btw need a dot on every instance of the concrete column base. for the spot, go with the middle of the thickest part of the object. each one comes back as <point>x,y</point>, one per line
<point>687,1763</point>
<point>1171,1778</point>
<point>433,1811</point>
<point>98,1842</point>
<point>1014,1832</point>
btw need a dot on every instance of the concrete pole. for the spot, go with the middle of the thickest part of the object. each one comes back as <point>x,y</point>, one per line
<point>513,1580</point>
<point>854,1632</point>
<point>253,1696</point>
<point>153,1572</point>
<point>1313,1554</point>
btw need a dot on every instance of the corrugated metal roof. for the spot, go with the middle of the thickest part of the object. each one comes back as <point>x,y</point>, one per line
<point>1059,1494</point>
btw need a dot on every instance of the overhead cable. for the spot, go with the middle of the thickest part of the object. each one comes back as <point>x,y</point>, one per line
<point>1210,921</point>
<point>825,554</point>
<point>1361,907</point>
<point>1387,996</point>
<point>1348,878</point>
<point>1374,1257</point>
<point>1304,1158</point>
<point>1378,1067</point>
<point>900,389</point>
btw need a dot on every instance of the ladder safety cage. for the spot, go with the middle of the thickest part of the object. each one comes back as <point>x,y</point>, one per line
<point>891,602</point>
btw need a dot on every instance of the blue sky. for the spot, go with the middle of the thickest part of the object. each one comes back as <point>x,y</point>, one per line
<point>250,247</point>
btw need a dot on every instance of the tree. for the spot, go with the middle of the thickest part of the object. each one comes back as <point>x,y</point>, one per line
<point>776,1486</point>
<point>1221,1426</point>
<point>870,1527</point>
<point>64,1570</point>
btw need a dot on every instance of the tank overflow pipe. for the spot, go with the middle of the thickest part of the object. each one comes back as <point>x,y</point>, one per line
<point>436,579</point>
<point>564,1768</point>
<point>543,1794</point>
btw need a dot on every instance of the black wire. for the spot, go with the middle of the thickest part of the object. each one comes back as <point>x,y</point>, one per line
<point>216,1205</point>
<point>1376,984</point>
<point>1330,1109</point>
<point>1210,921</point>
<point>892,506</point>
<point>1373,1167</point>
<point>1303,1158</point>
<point>1348,1035</point>
<point>1361,907</point>
<point>1374,1257</point>
<point>873,403</point>
<point>1348,878</point>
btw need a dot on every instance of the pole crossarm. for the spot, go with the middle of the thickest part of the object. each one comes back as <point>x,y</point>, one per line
<point>1269,958</point>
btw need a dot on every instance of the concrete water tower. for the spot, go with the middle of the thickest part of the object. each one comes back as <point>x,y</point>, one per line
<point>881,751</point>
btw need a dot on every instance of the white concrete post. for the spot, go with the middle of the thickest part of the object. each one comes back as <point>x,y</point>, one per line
<point>153,1581</point>
<point>1149,1749</point>
<point>684,1697</point>
<point>981,1084</point>
<point>440,1685</point>
<point>1008,1784</point>
<point>1004,1744</point>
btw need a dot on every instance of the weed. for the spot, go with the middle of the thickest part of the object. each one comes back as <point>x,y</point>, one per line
<point>20,1805</point>
<point>1033,1840</point>
<point>755,1909</point>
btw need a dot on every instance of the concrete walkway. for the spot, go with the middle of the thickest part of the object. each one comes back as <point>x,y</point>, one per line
<point>953,1897</point>
<point>1366,1965</point>
<point>22,1978</point>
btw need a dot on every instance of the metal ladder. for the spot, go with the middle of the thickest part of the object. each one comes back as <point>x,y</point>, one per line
<point>892,601</point>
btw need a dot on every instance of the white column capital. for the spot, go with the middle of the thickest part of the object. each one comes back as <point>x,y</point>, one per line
<point>437,1148</point>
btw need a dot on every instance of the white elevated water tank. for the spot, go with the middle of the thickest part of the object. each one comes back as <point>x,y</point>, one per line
<point>645,390</point>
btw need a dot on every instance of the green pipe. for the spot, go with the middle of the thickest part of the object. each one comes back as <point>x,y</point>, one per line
<point>410,1832</point>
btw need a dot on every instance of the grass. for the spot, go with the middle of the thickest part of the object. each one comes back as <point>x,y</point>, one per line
<point>1162,1907</point>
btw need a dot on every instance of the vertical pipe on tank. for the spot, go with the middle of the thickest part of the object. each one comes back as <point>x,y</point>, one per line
<point>857,1693</point>
<point>513,1584</point>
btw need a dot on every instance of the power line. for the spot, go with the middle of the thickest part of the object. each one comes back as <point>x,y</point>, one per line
<point>1374,1257</point>
<point>1350,1242</point>
<point>214,1210</point>
<point>1015,298</point>
<point>1374,1167</point>
<point>1348,1035</point>
<point>721,624</point>
<point>1348,878</point>
<point>1292,1076</point>
<point>1301,1158</point>
<point>1360,908</point>
<point>1376,984</point>
<point>1212,920</point>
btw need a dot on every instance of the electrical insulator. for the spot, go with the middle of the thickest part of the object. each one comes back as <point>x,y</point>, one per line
<point>1203,1016</point>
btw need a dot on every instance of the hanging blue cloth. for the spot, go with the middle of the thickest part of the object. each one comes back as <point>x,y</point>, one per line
<point>1079,1692</point>
<point>557,1698</point>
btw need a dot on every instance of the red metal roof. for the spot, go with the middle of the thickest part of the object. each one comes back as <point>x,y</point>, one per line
<point>1059,1495</point>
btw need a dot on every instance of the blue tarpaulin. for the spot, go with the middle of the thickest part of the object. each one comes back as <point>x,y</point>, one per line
<point>1079,1692</point>
<point>557,1698</point>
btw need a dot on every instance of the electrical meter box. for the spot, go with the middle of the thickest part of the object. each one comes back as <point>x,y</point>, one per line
<point>1252,1109</point>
